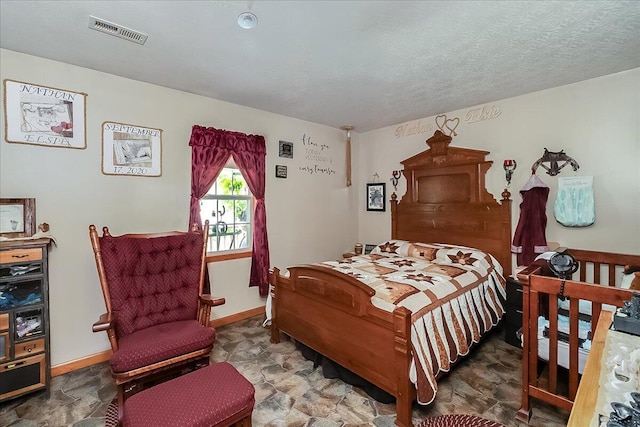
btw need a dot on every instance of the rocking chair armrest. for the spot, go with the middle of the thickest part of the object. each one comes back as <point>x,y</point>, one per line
<point>104,323</point>
<point>211,301</point>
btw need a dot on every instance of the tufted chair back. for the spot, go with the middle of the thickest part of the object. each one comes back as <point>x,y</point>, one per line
<point>152,280</point>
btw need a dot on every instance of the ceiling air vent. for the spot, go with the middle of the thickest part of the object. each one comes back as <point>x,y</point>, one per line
<point>117,30</point>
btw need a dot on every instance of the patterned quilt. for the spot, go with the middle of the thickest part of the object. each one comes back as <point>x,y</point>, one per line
<point>455,295</point>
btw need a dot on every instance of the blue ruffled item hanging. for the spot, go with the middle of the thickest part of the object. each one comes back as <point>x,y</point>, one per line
<point>575,204</point>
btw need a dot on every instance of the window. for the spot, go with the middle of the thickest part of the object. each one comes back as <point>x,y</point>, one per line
<point>228,205</point>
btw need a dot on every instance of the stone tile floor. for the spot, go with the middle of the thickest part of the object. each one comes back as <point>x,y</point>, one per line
<point>290,392</point>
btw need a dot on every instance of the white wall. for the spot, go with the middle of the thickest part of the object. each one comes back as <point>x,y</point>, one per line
<point>597,122</point>
<point>310,217</point>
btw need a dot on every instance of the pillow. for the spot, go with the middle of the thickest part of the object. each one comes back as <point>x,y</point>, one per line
<point>398,247</point>
<point>404,248</point>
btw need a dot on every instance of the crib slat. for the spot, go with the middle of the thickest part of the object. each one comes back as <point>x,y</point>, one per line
<point>553,344</point>
<point>573,347</point>
<point>596,273</point>
<point>612,275</point>
<point>534,307</point>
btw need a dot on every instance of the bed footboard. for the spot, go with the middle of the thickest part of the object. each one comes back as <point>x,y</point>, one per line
<point>332,313</point>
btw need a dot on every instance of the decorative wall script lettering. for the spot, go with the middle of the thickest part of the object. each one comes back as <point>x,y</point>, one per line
<point>413,128</point>
<point>318,157</point>
<point>313,169</point>
<point>480,114</point>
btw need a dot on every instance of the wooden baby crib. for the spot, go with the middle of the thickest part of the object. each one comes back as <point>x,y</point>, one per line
<point>599,278</point>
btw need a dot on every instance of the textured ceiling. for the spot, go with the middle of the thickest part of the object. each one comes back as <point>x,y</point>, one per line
<point>366,63</point>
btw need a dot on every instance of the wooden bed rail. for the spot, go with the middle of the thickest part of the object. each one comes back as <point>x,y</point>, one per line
<point>540,298</point>
<point>601,267</point>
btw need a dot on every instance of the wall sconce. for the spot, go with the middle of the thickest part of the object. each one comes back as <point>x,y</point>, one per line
<point>509,166</point>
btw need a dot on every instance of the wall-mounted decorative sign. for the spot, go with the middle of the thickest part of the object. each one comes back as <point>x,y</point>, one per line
<point>447,126</point>
<point>317,156</point>
<point>281,171</point>
<point>376,197</point>
<point>17,217</point>
<point>42,115</point>
<point>286,149</point>
<point>131,150</point>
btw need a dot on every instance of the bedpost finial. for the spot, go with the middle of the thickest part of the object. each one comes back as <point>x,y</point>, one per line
<point>506,195</point>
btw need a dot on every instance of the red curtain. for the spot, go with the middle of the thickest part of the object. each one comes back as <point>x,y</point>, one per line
<point>210,149</point>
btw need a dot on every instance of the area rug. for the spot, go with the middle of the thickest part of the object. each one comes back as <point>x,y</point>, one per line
<point>458,420</point>
<point>111,418</point>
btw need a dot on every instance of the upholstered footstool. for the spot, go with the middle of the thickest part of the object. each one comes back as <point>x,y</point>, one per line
<point>217,395</point>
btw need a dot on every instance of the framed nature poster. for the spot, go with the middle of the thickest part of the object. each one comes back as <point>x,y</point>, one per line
<point>131,150</point>
<point>43,115</point>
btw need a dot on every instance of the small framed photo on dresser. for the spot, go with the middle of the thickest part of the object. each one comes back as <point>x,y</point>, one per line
<point>17,218</point>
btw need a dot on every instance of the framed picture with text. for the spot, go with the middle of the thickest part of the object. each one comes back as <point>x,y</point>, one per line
<point>281,171</point>
<point>131,150</point>
<point>43,115</point>
<point>376,197</point>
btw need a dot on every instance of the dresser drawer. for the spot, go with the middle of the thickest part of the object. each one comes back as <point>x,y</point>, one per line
<point>4,321</point>
<point>20,255</point>
<point>20,376</point>
<point>514,315</point>
<point>514,293</point>
<point>27,348</point>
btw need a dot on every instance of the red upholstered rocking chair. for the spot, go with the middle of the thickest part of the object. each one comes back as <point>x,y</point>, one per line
<point>157,318</point>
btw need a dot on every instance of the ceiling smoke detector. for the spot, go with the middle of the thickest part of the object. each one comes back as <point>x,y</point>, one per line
<point>117,30</point>
<point>247,20</point>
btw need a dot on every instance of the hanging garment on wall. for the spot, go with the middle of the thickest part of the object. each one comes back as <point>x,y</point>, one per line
<point>575,204</point>
<point>529,239</point>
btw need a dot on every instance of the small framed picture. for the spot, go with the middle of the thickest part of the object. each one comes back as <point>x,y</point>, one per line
<point>17,217</point>
<point>376,197</point>
<point>281,171</point>
<point>286,149</point>
<point>131,150</point>
<point>43,115</point>
<point>368,248</point>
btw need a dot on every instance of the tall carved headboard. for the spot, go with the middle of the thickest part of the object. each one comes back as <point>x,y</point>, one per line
<point>447,201</point>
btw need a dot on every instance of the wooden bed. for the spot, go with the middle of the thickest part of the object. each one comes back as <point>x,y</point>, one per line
<point>597,280</point>
<point>332,313</point>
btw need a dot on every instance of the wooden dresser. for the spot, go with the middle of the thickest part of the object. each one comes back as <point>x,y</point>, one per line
<point>24,317</point>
